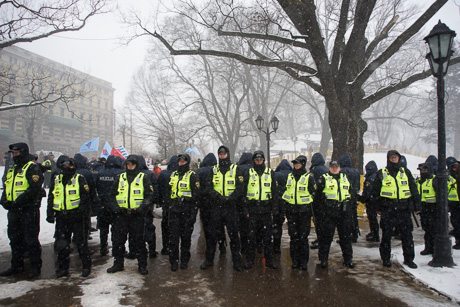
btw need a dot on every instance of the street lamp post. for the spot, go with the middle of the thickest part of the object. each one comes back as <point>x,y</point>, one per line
<point>440,42</point>
<point>260,125</point>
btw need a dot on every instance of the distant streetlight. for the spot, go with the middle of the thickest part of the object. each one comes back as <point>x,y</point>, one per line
<point>440,42</point>
<point>260,125</point>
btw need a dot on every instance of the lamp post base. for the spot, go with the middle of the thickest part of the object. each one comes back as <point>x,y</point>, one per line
<point>442,256</point>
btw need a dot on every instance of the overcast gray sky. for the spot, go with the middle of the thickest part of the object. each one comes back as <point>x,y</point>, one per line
<point>96,49</point>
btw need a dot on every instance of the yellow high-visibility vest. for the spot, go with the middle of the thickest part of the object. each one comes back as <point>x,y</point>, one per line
<point>130,196</point>
<point>66,196</point>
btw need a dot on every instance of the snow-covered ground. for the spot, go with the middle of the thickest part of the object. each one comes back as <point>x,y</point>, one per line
<point>443,280</point>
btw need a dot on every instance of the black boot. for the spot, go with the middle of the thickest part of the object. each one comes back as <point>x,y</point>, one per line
<point>62,273</point>
<point>117,266</point>
<point>12,271</point>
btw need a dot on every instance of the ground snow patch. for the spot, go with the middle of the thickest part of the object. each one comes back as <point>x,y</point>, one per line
<point>108,289</point>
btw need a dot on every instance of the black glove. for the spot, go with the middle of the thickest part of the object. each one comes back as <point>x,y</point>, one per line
<point>50,219</point>
<point>7,205</point>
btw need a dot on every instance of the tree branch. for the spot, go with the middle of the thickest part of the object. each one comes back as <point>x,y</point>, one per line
<point>400,40</point>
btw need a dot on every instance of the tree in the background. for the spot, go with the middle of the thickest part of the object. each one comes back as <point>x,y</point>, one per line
<point>26,21</point>
<point>333,46</point>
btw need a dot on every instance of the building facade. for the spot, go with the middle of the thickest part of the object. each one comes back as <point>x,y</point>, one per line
<point>81,109</point>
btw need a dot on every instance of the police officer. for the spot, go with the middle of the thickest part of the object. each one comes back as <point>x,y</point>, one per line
<point>164,199</point>
<point>427,186</point>
<point>281,173</point>
<point>50,166</point>
<point>333,209</point>
<point>104,182</point>
<point>225,185</point>
<point>261,201</point>
<point>130,199</point>
<point>355,180</point>
<point>371,208</point>
<point>317,169</point>
<point>299,195</point>
<point>453,199</point>
<point>184,191</point>
<point>205,203</point>
<point>68,204</point>
<point>22,198</point>
<point>397,196</point>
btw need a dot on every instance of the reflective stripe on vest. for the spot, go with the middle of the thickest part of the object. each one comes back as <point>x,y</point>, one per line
<point>130,196</point>
<point>180,188</point>
<point>297,191</point>
<point>426,190</point>
<point>452,194</point>
<point>395,189</point>
<point>259,187</point>
<point>47,163</point>
<point>331,188</point>
<point>16,185</point>
<point>224,184</point>
<point>66,196</point>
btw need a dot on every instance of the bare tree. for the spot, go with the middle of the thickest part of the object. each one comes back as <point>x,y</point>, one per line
<point>27,20</point>
<point>344,43</point>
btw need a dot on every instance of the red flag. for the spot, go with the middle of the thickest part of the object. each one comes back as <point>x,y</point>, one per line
<point>117,152</point>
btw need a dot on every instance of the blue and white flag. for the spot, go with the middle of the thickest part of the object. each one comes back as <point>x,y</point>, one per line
<point>192,150</point>
<point>92,145</point>
<point>106,150</point>
<point>122,150</point>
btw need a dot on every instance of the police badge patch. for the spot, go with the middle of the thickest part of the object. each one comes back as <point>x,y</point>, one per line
<point>197,184</point>
<point>241,178</point>
<point>35,178</point>
<point>86,187</point>
<point>151,188</point>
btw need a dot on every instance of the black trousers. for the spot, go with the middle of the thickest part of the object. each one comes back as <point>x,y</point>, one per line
<point>23,230</point>
<point>401,219</point>
<point>180,229</point>
<point>133,225</point>
<point>226,215</point>
<point>372,218</point>
<point>66,225</point>
<point>150,234</point>
<point>205,216</point>
<point>277,230</point>
<point>165,228</point>
<point>263,222</point>
<point>428,218</point>
<point>331,218</point>
<point>454,208</point>
<point>299,225</point>
<point>104,220</point>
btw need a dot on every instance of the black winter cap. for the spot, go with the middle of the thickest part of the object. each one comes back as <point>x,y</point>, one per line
<point>184,157</point>
<point>300,159</point>
<point>223,149</point>
<point>334,162</point>
<point>132,159</point>
<point>258,154</point>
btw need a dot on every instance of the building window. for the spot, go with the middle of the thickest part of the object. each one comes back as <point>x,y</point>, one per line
<point>12,124</point>
<point>98,103</point>
<point>106,104</point>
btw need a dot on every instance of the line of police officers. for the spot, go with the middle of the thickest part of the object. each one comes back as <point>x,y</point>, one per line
<point>126,200</point>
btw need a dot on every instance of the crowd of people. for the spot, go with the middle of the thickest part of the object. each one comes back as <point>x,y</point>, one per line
<point>246,202</point>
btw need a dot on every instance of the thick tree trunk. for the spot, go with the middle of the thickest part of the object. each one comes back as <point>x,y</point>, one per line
<point>325,134</point>
<point>347,129</point>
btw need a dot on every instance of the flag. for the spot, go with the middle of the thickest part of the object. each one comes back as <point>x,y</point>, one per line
<point>92,145</point>
<point>116,152</point>
<point>106,150</point>
<point>123,151</point>
<point>193,150</point>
